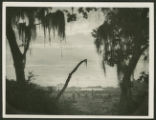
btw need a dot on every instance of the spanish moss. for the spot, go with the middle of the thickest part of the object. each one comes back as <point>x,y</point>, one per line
<point>54,22</point>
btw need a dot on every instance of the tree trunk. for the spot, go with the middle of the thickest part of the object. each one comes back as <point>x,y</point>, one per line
<point>126,96</point>
<point>126,104</point>
<point>19,70</point>
<point>18,58</point>
<point>68,79</point>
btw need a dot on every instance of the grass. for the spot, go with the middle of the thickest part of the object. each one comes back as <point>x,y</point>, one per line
<point>28,99</point>
<point>34,99</point>
<point>97,103</point>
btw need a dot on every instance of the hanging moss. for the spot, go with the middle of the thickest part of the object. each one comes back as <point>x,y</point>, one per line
<point>123,31</point>
<point>55,22</point>
<point>24,19</point>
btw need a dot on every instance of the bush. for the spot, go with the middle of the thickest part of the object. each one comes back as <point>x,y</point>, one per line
<point>140,94</point>
<point>29,98</point>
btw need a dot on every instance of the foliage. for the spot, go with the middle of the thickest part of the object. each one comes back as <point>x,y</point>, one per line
<point>123,32</point>
<point>31,76</point>
<point>30,98</point>
<point>83,11</point>
<point>140,94</point>
<point>25,18</point>
<point>52,21</point>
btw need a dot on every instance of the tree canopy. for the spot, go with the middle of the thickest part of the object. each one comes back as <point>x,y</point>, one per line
<point>123,34</point>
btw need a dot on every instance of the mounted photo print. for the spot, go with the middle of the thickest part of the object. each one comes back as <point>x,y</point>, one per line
<point>78,60</point>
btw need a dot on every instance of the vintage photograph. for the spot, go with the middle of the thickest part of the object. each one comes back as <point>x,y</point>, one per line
<point>77,60</point>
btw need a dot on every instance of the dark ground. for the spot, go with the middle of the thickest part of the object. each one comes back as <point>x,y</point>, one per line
<point>34,99</point>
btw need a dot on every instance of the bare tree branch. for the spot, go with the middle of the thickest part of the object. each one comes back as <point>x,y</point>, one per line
<point>68,79</point>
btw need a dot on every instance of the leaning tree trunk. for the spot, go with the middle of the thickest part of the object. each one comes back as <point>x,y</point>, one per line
<point>68,79</point>
<point>18,58</point>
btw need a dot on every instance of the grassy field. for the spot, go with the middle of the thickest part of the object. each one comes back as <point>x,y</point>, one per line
<point>33,99</point>
<point>92,102</point>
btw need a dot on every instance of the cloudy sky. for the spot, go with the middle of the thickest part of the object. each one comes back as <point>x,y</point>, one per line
<point>53,62</point>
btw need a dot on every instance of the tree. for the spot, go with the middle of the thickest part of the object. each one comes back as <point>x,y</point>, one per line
<point>23,19</point>
<point>121,40</point>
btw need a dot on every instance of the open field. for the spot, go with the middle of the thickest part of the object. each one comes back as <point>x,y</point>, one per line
<point>92,102</point>
<point>33,99</point>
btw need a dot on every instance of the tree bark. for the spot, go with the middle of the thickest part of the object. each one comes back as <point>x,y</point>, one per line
<point>19,70</point>
<point>68,79</point>
<point>126,105</point>
<point>125,98</point>
<point>16,53</point>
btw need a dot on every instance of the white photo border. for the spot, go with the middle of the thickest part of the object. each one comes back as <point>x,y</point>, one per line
<point>82,4</point>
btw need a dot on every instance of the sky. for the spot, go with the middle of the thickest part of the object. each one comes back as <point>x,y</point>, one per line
<point>52,63</point>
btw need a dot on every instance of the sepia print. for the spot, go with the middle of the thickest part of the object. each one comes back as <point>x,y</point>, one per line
<point>77,60</point>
